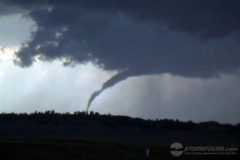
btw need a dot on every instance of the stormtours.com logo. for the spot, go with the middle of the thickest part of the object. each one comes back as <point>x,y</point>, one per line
<point>177,149</point>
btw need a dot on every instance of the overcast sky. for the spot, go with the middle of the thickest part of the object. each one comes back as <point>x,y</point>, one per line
<point>173,59</point>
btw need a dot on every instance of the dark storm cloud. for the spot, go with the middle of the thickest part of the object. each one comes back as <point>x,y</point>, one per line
<point>193,38</point>
<point>6,9</point>
<point>205,17</point>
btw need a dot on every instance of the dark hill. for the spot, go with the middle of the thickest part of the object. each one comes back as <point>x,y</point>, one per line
<point>122,129</point>
<point>52,135</point>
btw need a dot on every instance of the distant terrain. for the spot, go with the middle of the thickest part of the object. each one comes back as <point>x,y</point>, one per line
<point>53,135</point>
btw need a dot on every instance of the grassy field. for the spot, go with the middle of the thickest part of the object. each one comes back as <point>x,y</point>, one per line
<point>73,150</point>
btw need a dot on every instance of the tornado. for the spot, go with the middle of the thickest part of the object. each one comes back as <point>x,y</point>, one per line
<point>109,83</point>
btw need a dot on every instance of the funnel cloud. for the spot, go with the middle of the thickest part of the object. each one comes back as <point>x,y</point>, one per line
<point>109,83</point>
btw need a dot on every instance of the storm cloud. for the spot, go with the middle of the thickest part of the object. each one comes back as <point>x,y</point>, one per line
<point>190,38</point>
<point>169,51</point>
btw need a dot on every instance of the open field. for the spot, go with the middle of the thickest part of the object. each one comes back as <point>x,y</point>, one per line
<point>80,136</point>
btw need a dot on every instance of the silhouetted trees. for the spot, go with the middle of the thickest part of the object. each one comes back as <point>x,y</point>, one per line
<point>51,117</point>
